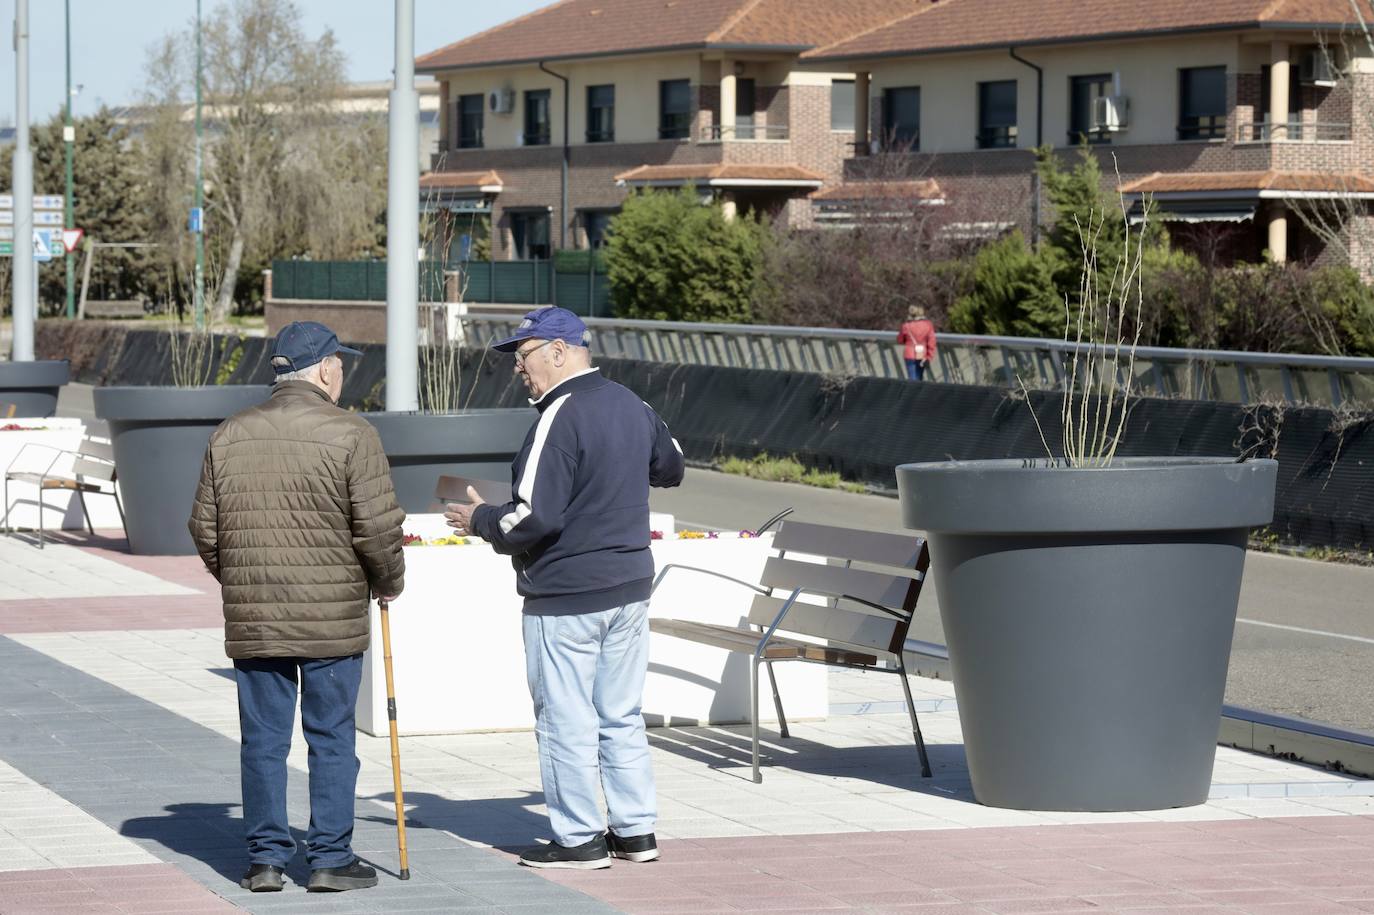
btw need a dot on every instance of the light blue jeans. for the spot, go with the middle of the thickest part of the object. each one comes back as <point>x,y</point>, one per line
<point>586,675</point>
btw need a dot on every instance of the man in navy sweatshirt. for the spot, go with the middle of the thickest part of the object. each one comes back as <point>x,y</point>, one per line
<point>577,532</point>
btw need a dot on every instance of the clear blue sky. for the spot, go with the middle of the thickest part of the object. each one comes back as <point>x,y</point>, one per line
<point>110,39</point>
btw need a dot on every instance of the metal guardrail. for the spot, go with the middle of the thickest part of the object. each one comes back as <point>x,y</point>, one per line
<point>1221,375</point>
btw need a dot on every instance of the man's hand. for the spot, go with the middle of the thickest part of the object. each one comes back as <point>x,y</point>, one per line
<point>459,515</point>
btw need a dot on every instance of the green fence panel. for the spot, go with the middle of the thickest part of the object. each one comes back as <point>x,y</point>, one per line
<point>573,293</point>
<point>284,279</point>
<point>515,281</point>
<point>474,282</point>
<point>347,280</point>
<point>376,281</point>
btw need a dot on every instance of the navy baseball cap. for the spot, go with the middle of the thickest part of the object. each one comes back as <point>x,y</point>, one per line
<point>301,344</point>
<point>552,323</point>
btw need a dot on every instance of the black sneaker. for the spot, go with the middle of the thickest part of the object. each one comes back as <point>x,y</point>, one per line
<point>262,878</point>
<point>636,848</point>
<point>355,876</point>
<point>591,855</point>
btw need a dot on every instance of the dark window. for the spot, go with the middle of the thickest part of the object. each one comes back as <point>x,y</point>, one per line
<point>1201,103</point>
<point>744,109</point>
<point>842,104</point>
<point>537,131</point>
<point>530,234</point>
<point>1084,91</point>
<point>997,114</point>
<point>674,109</point>
<point>597,224</point>
<point>470,108</point>
<point>1264,127</point>
<point>902,117</point>
<point>600,114</point>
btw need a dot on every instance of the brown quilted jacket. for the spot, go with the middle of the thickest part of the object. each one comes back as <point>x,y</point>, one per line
<point>296,517</point>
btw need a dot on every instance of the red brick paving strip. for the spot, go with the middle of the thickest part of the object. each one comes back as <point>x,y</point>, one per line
<point>1306,865</point>
<point>138,888</point>
<point>94,614</point>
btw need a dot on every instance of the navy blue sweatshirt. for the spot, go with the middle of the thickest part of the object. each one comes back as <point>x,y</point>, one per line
<point>577,530</point>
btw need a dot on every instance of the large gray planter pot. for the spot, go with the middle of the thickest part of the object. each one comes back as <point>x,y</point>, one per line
<point>159,436</point>
<point>478,444</point>
<point>32,387</point>
<point>1089,615</point>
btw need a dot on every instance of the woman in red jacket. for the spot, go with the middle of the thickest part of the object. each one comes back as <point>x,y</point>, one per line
<point>918,333</point>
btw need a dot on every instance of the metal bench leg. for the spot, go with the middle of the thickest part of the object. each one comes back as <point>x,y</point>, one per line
<point>915,725</point>
<point>84,511</point>
<point>40,516</point>
<point>754,718</point>
<point>777,700</point>
<point>9,531</point>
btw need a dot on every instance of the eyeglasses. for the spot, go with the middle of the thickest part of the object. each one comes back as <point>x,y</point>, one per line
<point>522,354</point>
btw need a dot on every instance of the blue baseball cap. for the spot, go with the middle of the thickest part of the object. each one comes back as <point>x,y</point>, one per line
<point>552,323</point>
<point>301,344</point>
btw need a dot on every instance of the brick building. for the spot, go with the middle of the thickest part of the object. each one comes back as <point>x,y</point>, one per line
<point>1229,114</point>
<point>707,94</point>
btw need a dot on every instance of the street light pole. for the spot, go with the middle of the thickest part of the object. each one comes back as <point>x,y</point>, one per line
<point>403,223</point>
<point>68,141</point>
<point>199,229</point>
<point>25,280</point>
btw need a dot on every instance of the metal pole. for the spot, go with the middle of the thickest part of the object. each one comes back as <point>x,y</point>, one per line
<point>24,282</point>
<point>68,140</point>
<point>403,223</point>
<point>198,307</point>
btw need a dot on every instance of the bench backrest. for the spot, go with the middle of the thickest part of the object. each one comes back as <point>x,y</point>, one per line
<point>864,607</point>
<point>94,460</point>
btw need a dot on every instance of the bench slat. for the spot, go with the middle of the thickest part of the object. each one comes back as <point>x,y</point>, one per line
<point>848,543</point>
<point>53,482</point>
<point>96,448</point>
<point>747,640</point>
<point>95,469</point>
<point>835,581</point>
<point>857,629</point>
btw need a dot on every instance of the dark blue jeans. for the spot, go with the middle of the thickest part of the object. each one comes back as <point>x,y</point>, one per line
<point>915,369</point>
<point>267,712</point>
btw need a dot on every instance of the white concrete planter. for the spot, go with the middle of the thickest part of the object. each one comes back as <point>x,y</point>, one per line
<point>459,656</point>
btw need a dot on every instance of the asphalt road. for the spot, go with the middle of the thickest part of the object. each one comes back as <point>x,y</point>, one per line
<point>1304,642</point>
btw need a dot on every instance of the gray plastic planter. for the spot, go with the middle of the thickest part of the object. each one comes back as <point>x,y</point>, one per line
<point>32,387</point>
<point>1089,615</point>
<point>159,436</point>
<point>478,444</point>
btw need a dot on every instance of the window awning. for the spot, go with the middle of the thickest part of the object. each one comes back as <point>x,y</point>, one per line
<point>1195,211</point>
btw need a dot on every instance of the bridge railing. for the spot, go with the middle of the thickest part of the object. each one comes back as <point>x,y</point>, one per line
<point>1222,375</point>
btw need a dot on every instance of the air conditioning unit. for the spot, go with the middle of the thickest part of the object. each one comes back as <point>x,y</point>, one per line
<point>501,101</point>
<point>1111,113</point>
<point>1316,68</point>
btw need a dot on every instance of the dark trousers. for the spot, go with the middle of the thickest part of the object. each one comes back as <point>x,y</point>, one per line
<point>915,369</point>
<point>267,712</point>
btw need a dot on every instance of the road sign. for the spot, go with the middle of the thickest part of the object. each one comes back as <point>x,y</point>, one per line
<point>71,238</point>
<point>6,233</point>
<point>43,218</point>
<point>196,221</point>
<point>42,245</point>
<point>40,201</point>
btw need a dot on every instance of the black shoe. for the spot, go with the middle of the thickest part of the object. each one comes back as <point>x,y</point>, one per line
<point>636,848</point>
<point>262,878</point>
<point>355,876</point>
<point>587,856</point>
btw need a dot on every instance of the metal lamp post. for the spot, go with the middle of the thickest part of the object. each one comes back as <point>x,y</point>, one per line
<point>403,223</point>
<point>68,141</point>
<point>25,280</point>
<point>198,217</point>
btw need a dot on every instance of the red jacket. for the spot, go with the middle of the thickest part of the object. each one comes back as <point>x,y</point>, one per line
<point>918,333</point>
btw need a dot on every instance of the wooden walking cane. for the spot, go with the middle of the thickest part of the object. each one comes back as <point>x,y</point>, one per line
<point>384,606</point>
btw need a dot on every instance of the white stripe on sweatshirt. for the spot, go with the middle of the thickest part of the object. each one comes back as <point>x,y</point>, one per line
<point>524,493</point>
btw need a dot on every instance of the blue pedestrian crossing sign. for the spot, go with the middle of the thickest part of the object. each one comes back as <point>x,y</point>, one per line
<point>43,241</point>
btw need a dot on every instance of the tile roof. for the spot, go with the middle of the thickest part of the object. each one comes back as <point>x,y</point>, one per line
<point>664,174</point>
<point>1203,182</point>
<point>919,189</point>
<point>458,180</point>
<point>592,28</point>
<point>951,25</point>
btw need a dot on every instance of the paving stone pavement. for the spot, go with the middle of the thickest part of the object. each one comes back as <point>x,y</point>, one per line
<point>171,786</point>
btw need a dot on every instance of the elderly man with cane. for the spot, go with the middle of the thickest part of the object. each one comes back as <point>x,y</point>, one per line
<point>296,517</point>
<point>577,532</point>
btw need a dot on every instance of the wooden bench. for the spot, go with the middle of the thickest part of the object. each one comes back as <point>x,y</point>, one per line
<point>862,622</point>
<point>93,470</point>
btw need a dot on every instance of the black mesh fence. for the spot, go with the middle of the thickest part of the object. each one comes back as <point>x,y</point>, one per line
<point>860,427</point>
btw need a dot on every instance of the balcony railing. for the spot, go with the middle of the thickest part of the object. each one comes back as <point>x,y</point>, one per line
<point>1293,132</point>
<point>746,132</point>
